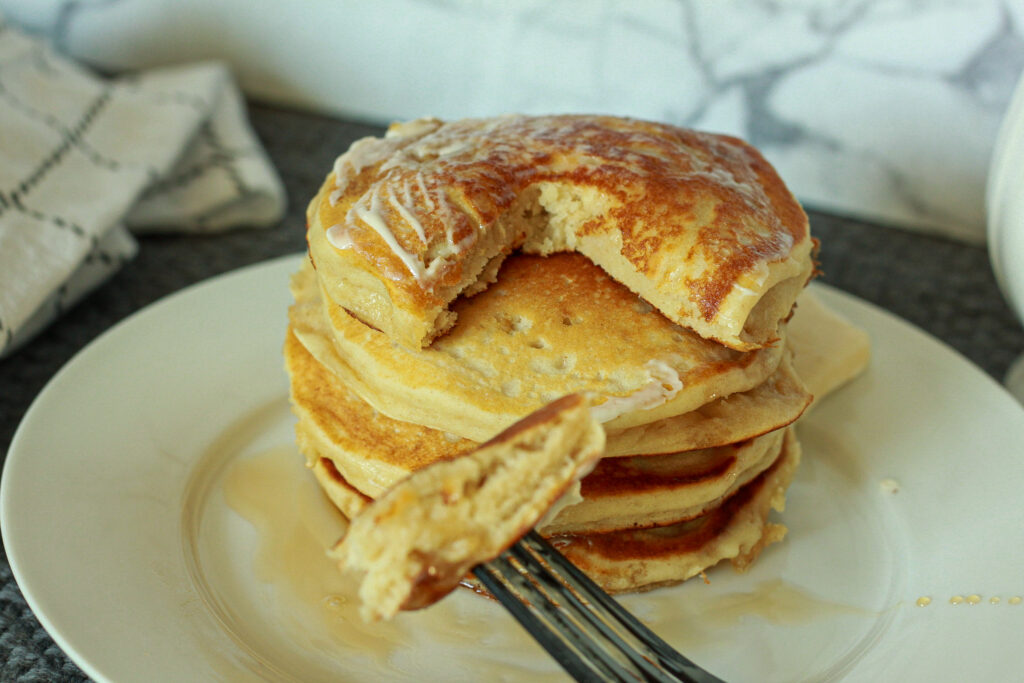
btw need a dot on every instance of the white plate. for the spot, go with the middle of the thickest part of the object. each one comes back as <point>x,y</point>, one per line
<point>116,519</point>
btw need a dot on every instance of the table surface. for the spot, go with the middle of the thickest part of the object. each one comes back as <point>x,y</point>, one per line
<point>944,287</point>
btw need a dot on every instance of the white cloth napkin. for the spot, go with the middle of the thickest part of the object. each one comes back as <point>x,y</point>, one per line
<point>85,160</point>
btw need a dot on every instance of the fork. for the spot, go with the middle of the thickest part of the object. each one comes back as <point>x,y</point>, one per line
<point>590,634</point>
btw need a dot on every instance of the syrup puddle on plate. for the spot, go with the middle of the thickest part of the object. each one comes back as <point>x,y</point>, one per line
<point>295,528</point>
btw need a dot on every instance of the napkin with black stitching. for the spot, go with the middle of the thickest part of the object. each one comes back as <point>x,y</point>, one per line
<point>85,161</point>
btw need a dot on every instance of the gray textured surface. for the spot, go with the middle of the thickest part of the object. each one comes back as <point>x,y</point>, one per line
<point>944,287</point>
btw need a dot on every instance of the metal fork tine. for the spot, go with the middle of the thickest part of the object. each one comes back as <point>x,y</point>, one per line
<point>579,624</point>
<point>557,589</point>
<point>521,608</point>
<point>600,660</point>
<point>672,660</point>
<point>554,644</point>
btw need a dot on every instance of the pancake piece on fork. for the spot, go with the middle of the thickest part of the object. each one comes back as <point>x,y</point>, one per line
<point>416,542</point>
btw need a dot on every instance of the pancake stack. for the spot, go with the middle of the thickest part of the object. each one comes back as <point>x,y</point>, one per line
<point>463,275</point>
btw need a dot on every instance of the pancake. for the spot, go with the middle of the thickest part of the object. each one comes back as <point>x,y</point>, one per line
<point>647,491</point>
<point>465,274</point>
<point>548,326</point>
<point>371,450</point>
<point>697,224</point>
<point>416,542</point>
<point>374,450</point>
<point>345,439</point>
<point>349,500</point>
<point>775,403</point>
<point>737,530</point>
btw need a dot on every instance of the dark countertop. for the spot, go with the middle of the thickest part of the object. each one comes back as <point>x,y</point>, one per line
<point>944,287</point>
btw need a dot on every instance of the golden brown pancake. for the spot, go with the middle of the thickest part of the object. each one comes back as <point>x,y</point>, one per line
<point>548,326</point>
<point>375,451</point>
<point>737,530</point>
<point>416,542</point>
<point>372,452</point>
<point>345,440</point>
<point>697,224</point>
<point>333,419</point>
<point>647,491</point>
<point>775,403</point>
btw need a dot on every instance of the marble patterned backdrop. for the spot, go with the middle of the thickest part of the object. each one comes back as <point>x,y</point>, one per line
<point>884,109</point>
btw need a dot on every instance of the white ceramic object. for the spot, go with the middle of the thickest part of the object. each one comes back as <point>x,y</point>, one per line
<point>1004,201</point>
<point>114,515</point>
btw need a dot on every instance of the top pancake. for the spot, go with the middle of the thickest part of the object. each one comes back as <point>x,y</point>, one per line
<point>699,225</point>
